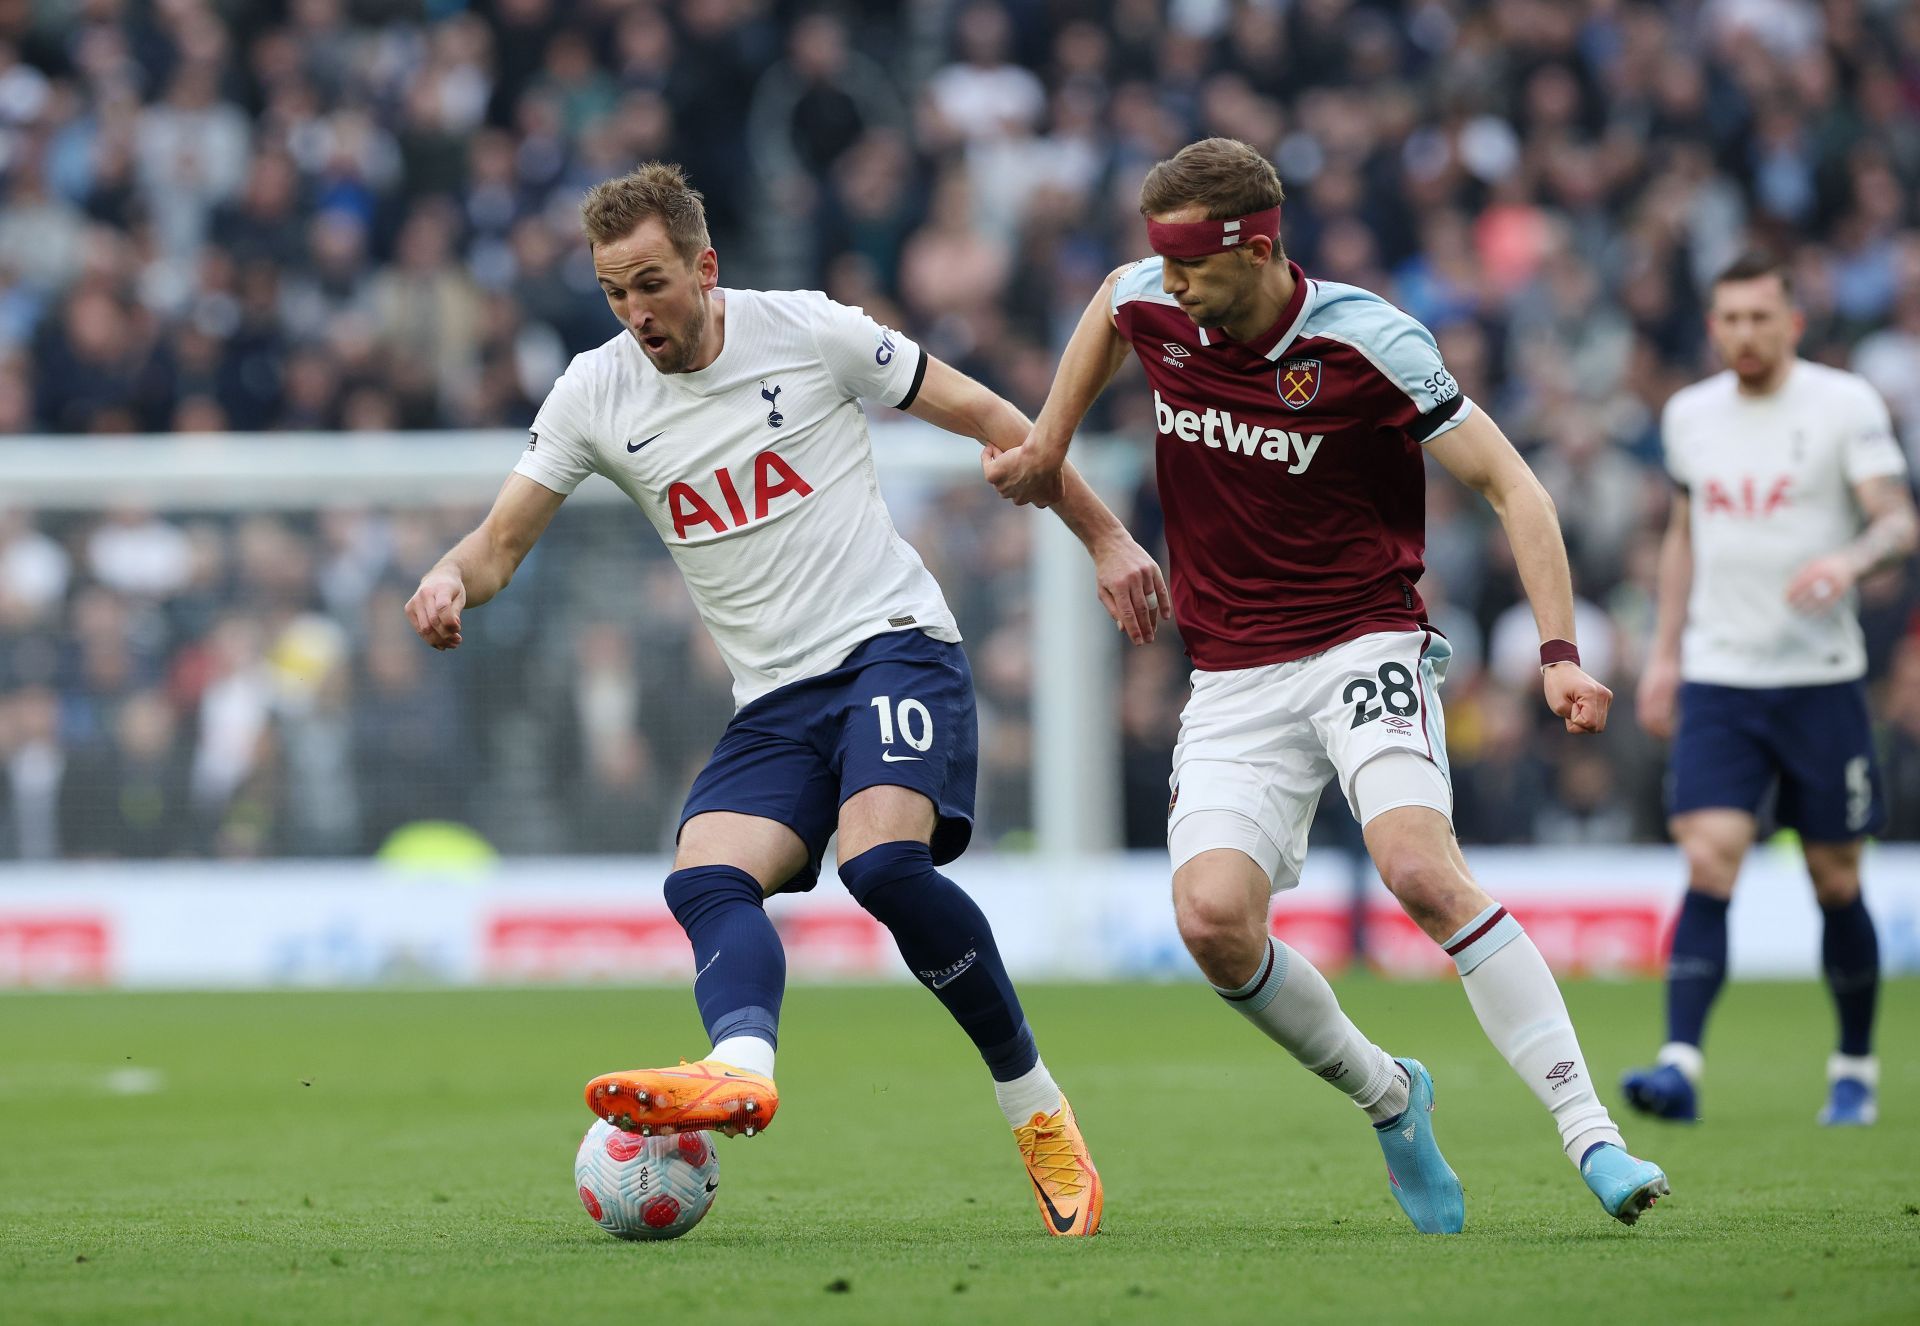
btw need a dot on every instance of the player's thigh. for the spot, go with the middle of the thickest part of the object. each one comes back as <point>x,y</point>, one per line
<point>1714,841</point>
<point>1822,739</point>
<point>766,849</point>
<point>765,801</point>
<point>1248,770</point>
<point>906,754</point>
<point>1722,756</point>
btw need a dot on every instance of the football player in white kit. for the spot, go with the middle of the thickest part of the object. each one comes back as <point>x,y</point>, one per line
<point>732,419</point>
<point>1792,488</point>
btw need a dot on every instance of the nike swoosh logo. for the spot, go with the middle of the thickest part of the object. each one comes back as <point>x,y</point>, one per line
<point>1060,1222</point>
<point>635,446</point>
<point>712,1184</point>
<point>952,977</point>
<point>891,758</point>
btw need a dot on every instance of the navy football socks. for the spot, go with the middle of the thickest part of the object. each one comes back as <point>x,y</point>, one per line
<point>943,936</point>
<point>1850,953</point>
<point>741,969</point>
<point>1697,966</point>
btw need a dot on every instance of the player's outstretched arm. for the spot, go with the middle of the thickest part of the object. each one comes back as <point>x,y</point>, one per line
<point>1029,471</point>
<point>1660,679</point>
<point>1132,589</point>
<point>480,565</point>
<point>1478,454</point>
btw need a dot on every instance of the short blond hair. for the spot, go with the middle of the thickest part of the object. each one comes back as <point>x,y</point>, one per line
<point>614,207</point>
<point>1223,175</point>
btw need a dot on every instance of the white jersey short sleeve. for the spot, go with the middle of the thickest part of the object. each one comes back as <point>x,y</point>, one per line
<point>757,472</point>
<point>560,451</point>
<point>1770,483</point>
<point>868,361</point>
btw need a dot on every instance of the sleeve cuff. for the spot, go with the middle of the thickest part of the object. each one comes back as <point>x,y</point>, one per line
<point>919,376</point>
<point>1442,418</point>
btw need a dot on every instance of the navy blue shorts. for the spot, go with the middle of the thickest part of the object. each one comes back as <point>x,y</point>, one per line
<point>897,711</point>
<point>1735,744</point>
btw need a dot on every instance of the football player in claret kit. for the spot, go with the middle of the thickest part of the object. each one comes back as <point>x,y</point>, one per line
<point>1780,463</point>
<point>1293,421</point>
<point>732,419</point>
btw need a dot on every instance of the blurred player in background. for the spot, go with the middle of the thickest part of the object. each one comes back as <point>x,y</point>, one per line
<point>1757,660</point>
<point>732,419</point>
<point>1294,419</point>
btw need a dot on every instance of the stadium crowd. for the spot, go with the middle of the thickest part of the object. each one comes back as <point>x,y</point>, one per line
<point>361,215</point>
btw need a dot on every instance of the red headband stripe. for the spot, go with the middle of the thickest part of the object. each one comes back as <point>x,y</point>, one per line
<point>1197,239</point>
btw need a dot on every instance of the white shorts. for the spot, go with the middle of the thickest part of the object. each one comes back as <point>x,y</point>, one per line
<point>1257,745</point>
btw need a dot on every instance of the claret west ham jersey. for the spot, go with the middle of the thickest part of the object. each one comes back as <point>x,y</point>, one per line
<point>757,471</point>
<point>1290,467</point>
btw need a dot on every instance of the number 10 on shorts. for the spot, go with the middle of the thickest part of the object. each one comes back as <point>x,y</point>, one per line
<point>909,718</point>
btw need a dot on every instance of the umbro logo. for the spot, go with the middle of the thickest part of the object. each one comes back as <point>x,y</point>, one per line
<point>635,446</point>
<point>1561,1074</point>
<point>1393,721</point>
<point>1175,349</point>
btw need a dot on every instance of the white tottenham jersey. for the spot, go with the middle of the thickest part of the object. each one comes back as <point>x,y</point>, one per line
<point>1771,482</point>
<point>758,473</point>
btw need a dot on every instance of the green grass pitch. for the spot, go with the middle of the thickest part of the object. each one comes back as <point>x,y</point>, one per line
<point>406,1157</point>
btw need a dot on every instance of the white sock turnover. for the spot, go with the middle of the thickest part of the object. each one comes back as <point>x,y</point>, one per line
<point>749,1054</point>
<point>1033,1092</point>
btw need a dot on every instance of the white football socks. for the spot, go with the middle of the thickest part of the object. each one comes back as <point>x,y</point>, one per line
<point>1033,1092</point>
<point>749,1054</point>
<point>1520,1009</point>
<point>1687,1058</point>
<point>1290,1001</point>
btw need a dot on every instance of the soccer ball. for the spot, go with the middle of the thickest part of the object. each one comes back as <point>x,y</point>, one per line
<point>645,1187</point>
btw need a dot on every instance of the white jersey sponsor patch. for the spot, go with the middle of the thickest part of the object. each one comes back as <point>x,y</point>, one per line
<point>757,472</point>
<point>1771,487</point>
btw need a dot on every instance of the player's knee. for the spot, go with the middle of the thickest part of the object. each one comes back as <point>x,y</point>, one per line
<point>1220,931</point>
<point>1711,866</point>
<point>1431,889</point>
<point>1836,886</point>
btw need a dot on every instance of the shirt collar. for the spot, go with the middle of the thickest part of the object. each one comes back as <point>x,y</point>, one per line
<point>1270,343</point>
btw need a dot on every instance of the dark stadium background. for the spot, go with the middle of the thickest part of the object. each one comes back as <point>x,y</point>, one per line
<point>361,216</point>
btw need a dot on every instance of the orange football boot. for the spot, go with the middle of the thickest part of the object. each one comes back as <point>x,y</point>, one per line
<point>692,1097</point>
<point>1065,1184</point>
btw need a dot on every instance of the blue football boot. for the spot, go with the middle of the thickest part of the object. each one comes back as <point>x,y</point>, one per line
<point>1852,1091</point>
<point>1625,1185</point>
<point>1426,1188</point>
<point>1662,1091</point>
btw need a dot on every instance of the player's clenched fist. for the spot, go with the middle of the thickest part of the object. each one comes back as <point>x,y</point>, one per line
<point>435,608</point>
<point>1578,698</point>
<point>1025,475</point>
